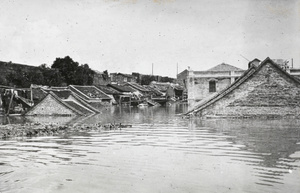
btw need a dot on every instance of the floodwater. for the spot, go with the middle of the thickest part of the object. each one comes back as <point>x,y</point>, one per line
<point>162,152</point>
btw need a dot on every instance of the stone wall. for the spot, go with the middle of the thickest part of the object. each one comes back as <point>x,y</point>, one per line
<point>269,92</point>
<point>50,106</point>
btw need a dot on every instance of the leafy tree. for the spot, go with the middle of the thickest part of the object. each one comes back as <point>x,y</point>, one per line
<point>3,80</point>
<point>72,72</point>
<point>43,66</point>
<point>52,77</point>
<point>83,75</point>
<point>67,67</point>
<point>41,75</point>
<point>16,79</point>
<point>25,79</point>
<point>33,77</point>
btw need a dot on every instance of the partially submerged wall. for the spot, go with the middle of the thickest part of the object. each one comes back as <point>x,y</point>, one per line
<point>198,83</point>
<point>269,92</point>
<point>49,106</point>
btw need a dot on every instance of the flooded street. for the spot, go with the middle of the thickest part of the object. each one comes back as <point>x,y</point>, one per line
<point>161,152</point>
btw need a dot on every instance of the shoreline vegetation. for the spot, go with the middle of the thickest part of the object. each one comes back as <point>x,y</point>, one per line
<point>37,129</point>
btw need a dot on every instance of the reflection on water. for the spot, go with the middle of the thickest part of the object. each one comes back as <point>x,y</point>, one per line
<point>276,142</point>
<point>162,152</point>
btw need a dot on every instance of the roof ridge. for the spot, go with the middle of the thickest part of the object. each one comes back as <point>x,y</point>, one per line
<point>279,68</point>
<point>67,105</point>
<point>77,97</point>
<point>228,65</point>
<point>51,94</point>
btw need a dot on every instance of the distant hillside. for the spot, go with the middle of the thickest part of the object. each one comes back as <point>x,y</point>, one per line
<point>9,67</point>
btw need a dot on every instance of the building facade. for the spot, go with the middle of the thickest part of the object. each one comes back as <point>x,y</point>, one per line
<point>202,84</point>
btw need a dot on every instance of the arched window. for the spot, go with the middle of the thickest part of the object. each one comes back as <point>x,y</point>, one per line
<point>212,86</point>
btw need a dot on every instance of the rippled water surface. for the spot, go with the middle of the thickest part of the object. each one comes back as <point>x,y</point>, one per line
<point>160,153</point>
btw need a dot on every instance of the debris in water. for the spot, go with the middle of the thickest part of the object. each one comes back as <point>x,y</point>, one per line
<point>37,129</point>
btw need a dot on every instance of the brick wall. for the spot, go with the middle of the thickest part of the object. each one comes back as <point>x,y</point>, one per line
<point>269,92</point>
<point>49,106</point>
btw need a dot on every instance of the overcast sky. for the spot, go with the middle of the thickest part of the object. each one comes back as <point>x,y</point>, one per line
<point>131,35</point>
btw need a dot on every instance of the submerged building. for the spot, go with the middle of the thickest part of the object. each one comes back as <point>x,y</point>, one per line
<point>265,90</point>
<point>202,84</point>
<point>62,102</point>
<point>91,94</point>
<point>53,105</point>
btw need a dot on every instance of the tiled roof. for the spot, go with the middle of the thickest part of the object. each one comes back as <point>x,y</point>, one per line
<point>63,94</point>
<point>90,91</point>
<point>153,90</point>
<point>78,107</point>
<point>82,102</point>
<point>224,67</point>
<point>65,104</point>
<point>108,90</point>
<point>121,88</point>
<point>137,86</point>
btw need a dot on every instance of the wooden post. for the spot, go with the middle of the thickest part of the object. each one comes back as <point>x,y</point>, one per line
<point>10,102</point>
<point>8,121</point>
<point>31,94</point>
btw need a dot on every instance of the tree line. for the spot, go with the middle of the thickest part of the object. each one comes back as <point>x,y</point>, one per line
<point>63,71</point>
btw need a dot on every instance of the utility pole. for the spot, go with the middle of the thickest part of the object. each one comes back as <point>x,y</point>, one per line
<point>152,69</point>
